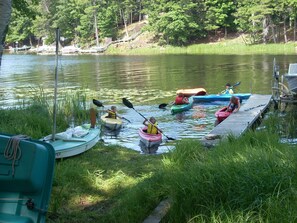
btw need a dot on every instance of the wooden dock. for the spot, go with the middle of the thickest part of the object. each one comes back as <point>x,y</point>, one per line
<point>239,122</point>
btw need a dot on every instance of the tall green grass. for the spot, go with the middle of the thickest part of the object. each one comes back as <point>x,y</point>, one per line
<point>250,179</point>
<point>224,48</point>
<point>35,116</point>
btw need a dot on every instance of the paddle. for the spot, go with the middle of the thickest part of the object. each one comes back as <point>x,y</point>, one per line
<point>163,105</point>
<point>97,103</point>
<point>236,84</point>
<point>100,104</point>
<point>130,105</point>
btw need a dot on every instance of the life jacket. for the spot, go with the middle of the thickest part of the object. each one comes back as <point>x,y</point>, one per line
<point>152,128</point>
<point>111,114</point>
<point>179,100</point>
<point>228,91</point>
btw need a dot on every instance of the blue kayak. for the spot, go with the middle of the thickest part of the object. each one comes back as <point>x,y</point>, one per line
<point>184,107</point>
<point>220,97</point>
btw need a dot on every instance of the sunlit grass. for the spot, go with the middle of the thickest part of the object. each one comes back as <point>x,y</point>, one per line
<point>222,48</point>
<point>96,180</point>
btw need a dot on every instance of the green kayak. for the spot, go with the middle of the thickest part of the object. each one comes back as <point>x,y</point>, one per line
<point>184,107</point>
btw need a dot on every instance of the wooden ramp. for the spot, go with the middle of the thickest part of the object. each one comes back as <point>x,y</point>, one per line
<point>237,123</point>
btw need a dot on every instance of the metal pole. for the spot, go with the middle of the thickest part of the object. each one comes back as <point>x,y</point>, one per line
<point>56,84</point>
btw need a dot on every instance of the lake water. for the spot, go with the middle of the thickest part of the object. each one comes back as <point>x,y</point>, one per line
<point>146,81</point>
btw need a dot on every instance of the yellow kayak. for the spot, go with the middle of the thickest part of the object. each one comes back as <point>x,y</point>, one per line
<point>111,123</point>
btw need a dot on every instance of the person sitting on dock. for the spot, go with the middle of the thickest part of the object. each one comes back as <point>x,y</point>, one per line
<point>234,104</point>
<point>228,89</point>
<point>181,99</point>
<point>151,125</point>
<point>112,112</point>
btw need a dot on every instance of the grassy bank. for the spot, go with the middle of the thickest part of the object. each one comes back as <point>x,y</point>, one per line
<point>223,48</point>
<point>250,179</point>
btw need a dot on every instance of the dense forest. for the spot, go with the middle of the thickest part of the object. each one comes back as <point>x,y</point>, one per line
<point>174,22</point>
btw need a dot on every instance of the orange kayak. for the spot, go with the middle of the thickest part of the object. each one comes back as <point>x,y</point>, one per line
<point>192,91</point>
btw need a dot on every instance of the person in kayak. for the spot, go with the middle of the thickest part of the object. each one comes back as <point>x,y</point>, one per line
<point>151,125</point>
<point>112,112</point>
<point>234,104</point>
<point>181,99</point>
<point>228,89</point>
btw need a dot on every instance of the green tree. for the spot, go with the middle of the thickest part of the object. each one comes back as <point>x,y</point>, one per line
<point>293,15</point>
<point>176,22</point>
<point>253,17</point>
<point>219,13</point>
<point>108,19</point>
<point>67,18</point>
<point>20,27</point>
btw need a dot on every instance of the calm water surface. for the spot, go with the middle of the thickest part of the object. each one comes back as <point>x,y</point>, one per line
<point>146,80</point>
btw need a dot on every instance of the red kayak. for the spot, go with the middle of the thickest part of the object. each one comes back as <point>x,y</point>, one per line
<point>192,91</point>
<point>222,114</point>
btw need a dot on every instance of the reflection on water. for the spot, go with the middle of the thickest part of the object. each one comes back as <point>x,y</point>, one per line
<point>159,76</point>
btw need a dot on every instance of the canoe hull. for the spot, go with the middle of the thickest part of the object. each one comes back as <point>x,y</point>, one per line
<point>220,97</point>
<point>149,141</point>
<point>74,146</point>
<point>192,91</point>
<point>25,185</point>
<point>184,107</point>
<point>222,114</point>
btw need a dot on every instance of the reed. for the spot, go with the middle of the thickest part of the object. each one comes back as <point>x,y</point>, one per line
<point>222,48</point>
<point>34,117</point>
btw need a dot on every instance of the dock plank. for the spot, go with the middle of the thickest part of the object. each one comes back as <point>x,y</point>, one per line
<point>239,122</point>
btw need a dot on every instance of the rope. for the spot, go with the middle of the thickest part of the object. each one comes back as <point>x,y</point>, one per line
<point>13,151</point>
<point>248,109</point>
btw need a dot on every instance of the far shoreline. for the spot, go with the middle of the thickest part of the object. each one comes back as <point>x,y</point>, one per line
<point>218,48</point>
<point>221,48</point>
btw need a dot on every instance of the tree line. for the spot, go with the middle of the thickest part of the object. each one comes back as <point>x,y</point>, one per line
<point>174,22</point>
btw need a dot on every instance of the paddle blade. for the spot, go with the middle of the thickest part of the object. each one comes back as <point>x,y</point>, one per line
<point>162,106</point>
<point>170,138</point>
<point>97,103</point>
<point>127,103</point>
<point>126,119</point>
<point>236,84</point>
<point>93,117</point>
